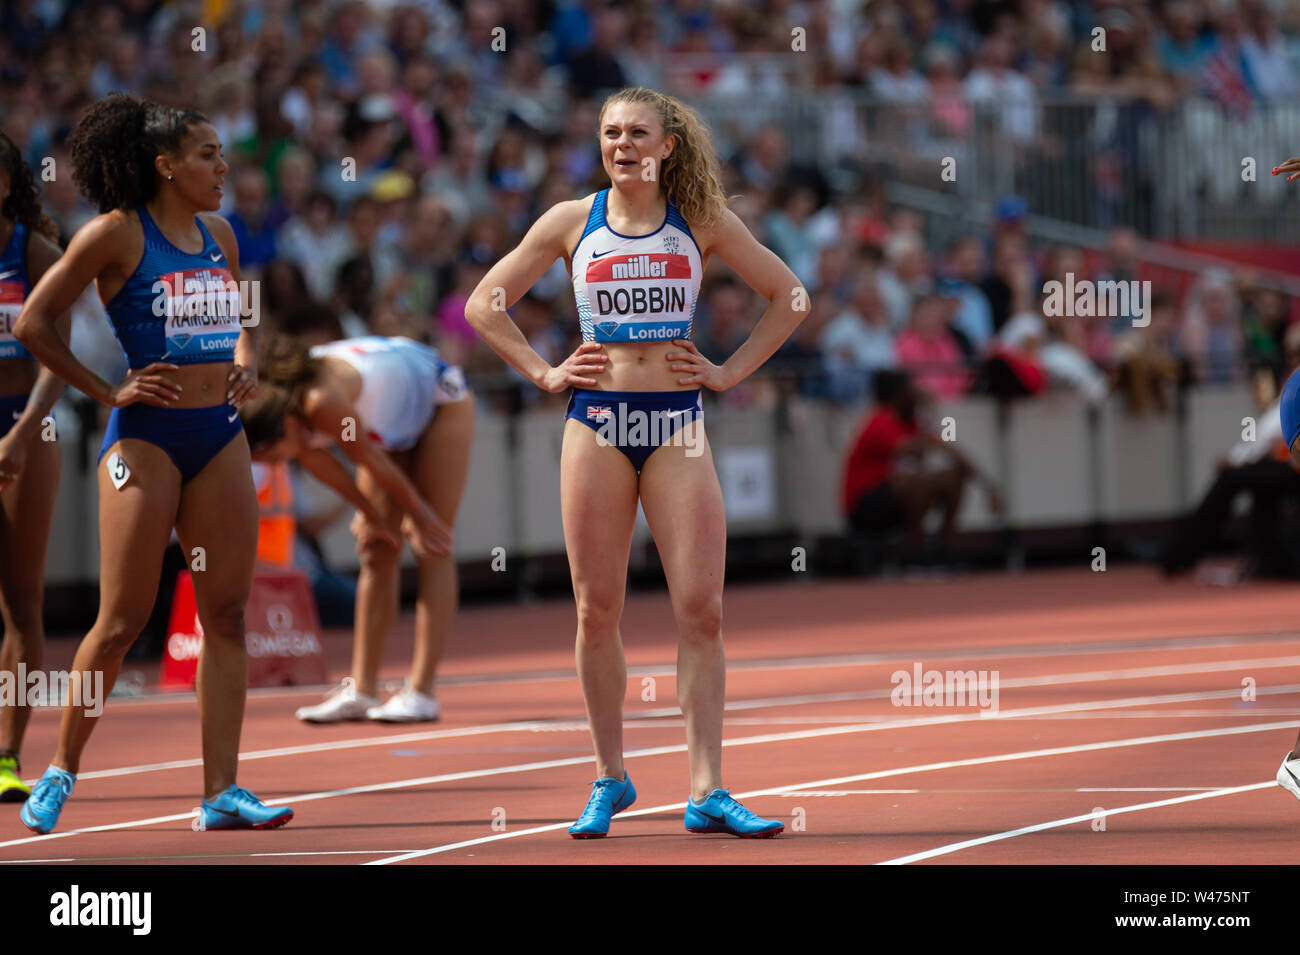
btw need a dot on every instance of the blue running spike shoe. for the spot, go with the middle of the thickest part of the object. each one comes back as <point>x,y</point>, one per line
<point>720,813</point>
<point>237,808</point>
<point>40,813</point>
<point>608,796</point>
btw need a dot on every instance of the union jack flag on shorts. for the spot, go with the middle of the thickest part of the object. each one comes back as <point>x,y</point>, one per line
<point>599,412</point>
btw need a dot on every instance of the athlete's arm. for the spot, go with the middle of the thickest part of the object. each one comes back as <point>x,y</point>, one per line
<point>925,441</point>
<point>41,255</point>
<point>763,271</point>
<point>327,411</point>
<point>93,250</point>
<point>327,469</point>
<point>508,280</point>
<point>241,388</point>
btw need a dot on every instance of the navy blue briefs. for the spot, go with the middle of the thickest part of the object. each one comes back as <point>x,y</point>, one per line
<point>11,409</point>
<point>191,436</point>
<point>636,422</point>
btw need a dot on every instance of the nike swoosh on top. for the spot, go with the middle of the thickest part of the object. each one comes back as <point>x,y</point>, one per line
<point>596,255</point>
<point>216,256</point>
<point>233,417</point>
<point>5,275</point>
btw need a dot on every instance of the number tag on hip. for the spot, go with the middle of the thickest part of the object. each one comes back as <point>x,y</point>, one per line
<point>117,469</point>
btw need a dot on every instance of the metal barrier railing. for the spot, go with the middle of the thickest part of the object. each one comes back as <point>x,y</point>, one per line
<point>1094,161</point>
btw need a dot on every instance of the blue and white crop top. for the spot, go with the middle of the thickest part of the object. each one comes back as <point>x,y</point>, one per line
<point>636,288</point>
<point>176,306</point>
<point>14,288</point>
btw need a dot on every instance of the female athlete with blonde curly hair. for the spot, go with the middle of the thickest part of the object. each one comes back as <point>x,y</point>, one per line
<point>636,253</point>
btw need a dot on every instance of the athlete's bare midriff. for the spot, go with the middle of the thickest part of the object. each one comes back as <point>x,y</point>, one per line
<point>202,385</point>
<point>636,367</point>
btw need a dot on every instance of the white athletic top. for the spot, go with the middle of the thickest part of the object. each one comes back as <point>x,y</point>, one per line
<point>636,288</point>
<point>402,382</point>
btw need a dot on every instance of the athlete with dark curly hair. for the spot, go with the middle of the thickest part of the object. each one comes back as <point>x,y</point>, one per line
<point>29,457</point>
<point>174,454</point>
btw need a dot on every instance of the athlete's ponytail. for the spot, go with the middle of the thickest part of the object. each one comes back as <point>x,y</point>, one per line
<point>689,176</point>
<point>284,374</point>
<point>23,204</point>
<point>114,146</point>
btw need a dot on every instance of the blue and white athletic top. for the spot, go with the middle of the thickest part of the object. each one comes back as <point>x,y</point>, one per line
<point>14,288</point>
<point>177,307</point>
<point>636,288</point>
<point>402,384</point>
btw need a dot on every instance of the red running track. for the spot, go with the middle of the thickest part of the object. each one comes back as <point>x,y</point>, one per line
<point>1124,733</point>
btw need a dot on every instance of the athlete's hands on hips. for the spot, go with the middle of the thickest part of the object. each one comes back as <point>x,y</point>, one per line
<point>700,371</point>
<point>587,359</point>
<point>427,533</point>
<point>243,385</point>
<point>146,385</point>
<point>13,455</point>
<point>1291,166</point>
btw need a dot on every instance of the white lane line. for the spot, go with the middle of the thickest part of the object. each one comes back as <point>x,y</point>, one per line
<point>1071,820</point>
<point>35,861</point>
<point>330,852</point>
<point>1012,652</point>
<point>1250,712</point>
<point>221,855</point>
<point>1055,679</point>
<point>225,855</point>
<point>881,774</point>
<point>681,748</point>
<point>914,792</point>
<point>343,744</point>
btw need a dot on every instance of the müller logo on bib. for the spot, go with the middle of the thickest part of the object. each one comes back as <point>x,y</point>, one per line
<point>647,294</point>
<point>202,310</point>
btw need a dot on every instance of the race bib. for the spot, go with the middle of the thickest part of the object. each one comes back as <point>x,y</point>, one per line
<point>640,297</point>
<point>200,308</point>
<point>11,303</point>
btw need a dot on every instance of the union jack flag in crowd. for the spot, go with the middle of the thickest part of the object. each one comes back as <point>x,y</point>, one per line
<point>1224,78</point>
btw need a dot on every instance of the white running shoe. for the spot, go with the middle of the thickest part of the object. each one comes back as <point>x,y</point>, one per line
<point>344,703</point>
<point>1288,775</point>
<point>407,705</point>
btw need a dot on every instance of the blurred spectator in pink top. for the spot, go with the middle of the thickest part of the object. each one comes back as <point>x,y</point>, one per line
<point>928,350</point>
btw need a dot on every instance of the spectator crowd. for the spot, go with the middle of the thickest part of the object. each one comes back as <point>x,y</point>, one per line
<point>385,154</point>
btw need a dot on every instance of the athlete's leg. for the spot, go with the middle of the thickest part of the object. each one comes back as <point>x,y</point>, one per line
<point>598,505</point>
<point>218,512</point>
<point>135,524</point>
<point>682,501</point>
<point>441,466</point>
<point>26,512</point>
<point>378,586</point>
